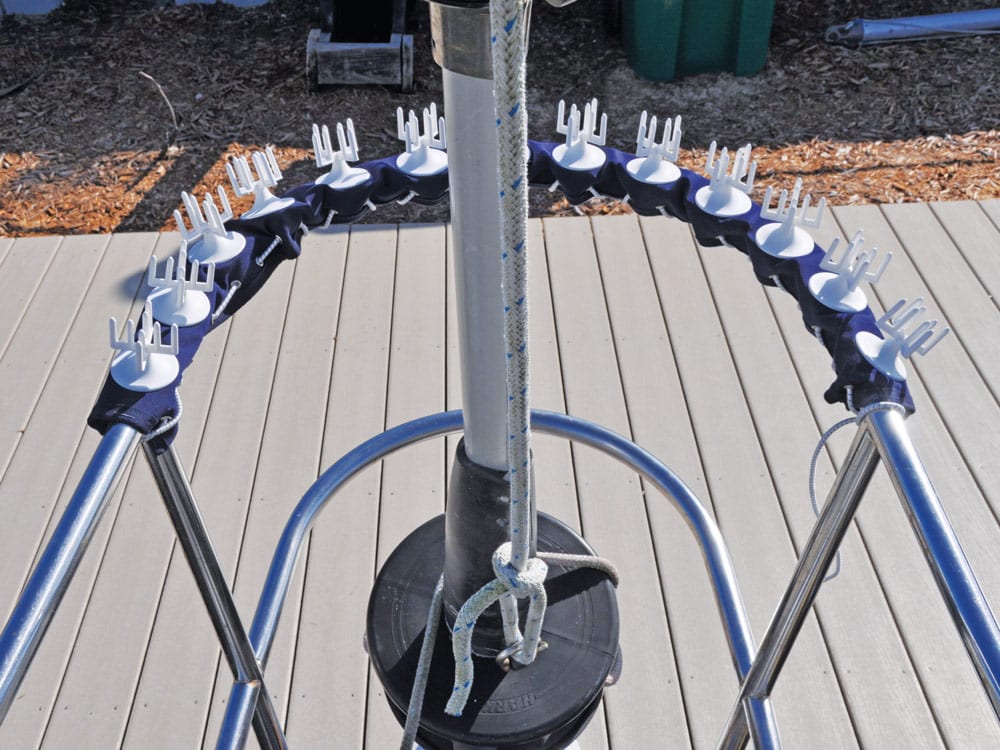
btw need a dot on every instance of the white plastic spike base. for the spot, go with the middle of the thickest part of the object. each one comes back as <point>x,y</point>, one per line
<point>161,370</point>
<point>882,354</point>
<point>217,248</point>
<point>343,179</point>
<point>724,202</point>
<point>423,162</point>
<point>663,173</point>
<point>769,239</point>
<point>266,203</point>
<point>195,309</point>
<point>831,290</point>
<point>583,158</point>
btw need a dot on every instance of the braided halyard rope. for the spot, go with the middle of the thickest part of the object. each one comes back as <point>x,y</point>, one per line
<point>517,574</point>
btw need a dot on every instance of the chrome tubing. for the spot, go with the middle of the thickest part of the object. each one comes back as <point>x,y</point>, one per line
<point>239,715</point>
<point>863,31</point>
<point>194,540</point>
<point>49,580</point>
<point>728,598</point>
<point>833,522</point>
<point>962,594</point>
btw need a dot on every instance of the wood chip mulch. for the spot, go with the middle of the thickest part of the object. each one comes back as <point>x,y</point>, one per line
<point>108,110</point>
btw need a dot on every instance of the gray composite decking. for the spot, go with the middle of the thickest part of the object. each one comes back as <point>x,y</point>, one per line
<point>633,327</point>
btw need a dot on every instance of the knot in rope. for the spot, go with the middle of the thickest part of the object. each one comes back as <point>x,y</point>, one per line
<point>527,583</point>
<point>509,585</point>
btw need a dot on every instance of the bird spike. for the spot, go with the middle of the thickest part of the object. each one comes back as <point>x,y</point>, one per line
<point>854,265</point>
<point>425,151</point>
<point>669,146</point>
<point>148,340</point>
<point>347,143</point>
<point>743,171</point>
<point>791,211</point>
<point>216,219</point>
<point>582,128</point>
<point>433,135</point>
<point>895,324</point>
<point>901,339</point>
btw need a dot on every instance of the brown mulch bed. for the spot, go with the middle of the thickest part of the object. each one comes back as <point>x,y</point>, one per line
<point>88,143</point>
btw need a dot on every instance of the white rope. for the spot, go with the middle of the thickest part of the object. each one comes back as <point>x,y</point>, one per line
<point>518,574</point>
<point>423,669</point>
<point>167,423</point>
<point>856,419</point>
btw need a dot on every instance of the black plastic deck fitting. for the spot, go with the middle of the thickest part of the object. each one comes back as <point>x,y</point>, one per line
<point>542,706</point>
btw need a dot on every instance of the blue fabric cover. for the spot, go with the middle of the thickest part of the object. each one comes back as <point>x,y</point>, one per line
<point>313,203</point>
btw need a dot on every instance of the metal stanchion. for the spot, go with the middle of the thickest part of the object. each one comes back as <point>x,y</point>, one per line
<point>954,576</point>
<point>850,484</point>
<point>193,537</point>
<point>48,582</point>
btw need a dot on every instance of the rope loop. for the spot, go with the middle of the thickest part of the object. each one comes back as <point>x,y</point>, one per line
<point>527,583</point>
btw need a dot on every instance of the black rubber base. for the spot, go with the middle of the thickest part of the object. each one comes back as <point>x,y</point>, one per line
<point>542,706</point>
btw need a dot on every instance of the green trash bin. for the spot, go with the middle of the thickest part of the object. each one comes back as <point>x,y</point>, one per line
<point>666,39</point>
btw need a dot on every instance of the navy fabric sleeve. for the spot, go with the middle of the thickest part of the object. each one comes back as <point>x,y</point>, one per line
<point>276,237</point>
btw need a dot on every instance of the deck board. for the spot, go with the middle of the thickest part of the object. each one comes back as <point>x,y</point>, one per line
<point>344,538</point>
<point>736,477</point>
<point>634,327</point>
<point>612,514</point>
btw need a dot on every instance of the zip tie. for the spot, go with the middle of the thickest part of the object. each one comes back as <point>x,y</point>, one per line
<point>167,423</point>
<point>329,219</point>
<point>777,282</point>
<point>222,305</point>
<point>259,260</point>
<point>403,201</point>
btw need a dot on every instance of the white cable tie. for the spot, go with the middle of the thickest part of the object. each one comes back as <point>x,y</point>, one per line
<point>167,423</point>
<point>259,260</point>
<point>229,295</point>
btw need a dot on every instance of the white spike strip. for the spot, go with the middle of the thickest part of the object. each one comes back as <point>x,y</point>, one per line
<point>180,299</point>
<point>728,193</point>
<point>784,238</point>
<point>145,363</point>
<point>900,340</point>
<point>268,175</point>
<point>209,240</point>
<point>425,150</point>
<point>655,161</point>
<point>341,176</point>
<point>581,151</point>
<point>838,288</point>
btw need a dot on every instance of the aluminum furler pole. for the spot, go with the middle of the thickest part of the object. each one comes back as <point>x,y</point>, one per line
<point>193,537</point>
<point>966,602</point>
<point>863,31</point>
<point>48,582</point>
<point>818,553</point>
<point>461,34</point>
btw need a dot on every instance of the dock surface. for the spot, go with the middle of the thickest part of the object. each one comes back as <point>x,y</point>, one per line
<point>634,327</point>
